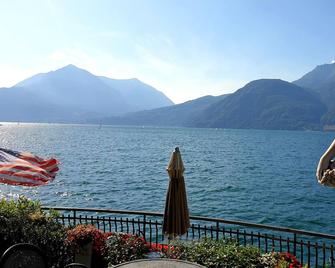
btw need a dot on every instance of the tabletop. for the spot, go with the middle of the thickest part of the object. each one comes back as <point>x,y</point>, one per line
<point>162,263</point>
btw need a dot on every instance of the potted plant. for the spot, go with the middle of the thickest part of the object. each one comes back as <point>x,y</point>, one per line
<point>123,247</point>
<point>89,245</point>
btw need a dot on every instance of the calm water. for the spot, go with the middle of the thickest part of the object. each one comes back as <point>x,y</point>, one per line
<point>260,176</point>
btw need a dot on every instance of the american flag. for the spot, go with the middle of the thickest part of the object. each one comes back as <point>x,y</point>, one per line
<point>21,168</point>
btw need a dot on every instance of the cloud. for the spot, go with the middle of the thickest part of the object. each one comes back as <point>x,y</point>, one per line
<point>333,61</point>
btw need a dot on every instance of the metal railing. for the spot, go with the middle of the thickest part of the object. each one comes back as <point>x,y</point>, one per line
<point>311,248</point>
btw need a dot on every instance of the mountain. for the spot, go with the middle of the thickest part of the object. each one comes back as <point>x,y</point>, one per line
<point>139,96</point>
<point>321,81</point>
<point>75,88</point>
<point>177,115</point>
<point>18,105</point>
<point>265,104</point>
<point>71,94</point>
<point>320,77</point>
<point>261,104</point>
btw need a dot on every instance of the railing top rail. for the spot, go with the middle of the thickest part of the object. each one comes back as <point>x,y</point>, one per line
<point>102,210</point>
<point>264,226</point>
<point>200,218</point>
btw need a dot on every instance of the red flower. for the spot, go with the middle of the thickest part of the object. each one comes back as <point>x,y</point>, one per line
<point>83,234</point>
<point>159,247</point>
<point>108,234</point>
<point>291,260</point>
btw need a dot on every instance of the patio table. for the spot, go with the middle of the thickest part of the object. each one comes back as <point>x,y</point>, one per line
<point>161,263</point>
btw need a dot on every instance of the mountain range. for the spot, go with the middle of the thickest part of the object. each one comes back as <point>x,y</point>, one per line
<point>305,104</point>
<point>71,94</point>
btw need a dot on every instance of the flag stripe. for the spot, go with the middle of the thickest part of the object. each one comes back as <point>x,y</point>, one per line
<point>17,175</point>
<point>24,174</point>
<point>18,182</point>
<point>42,164</point>
<point>26,165</point>
<point>25,168</point>
<point>33,160</point>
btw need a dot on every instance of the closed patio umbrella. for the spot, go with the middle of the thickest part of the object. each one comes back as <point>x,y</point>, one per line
<point>176,214</point>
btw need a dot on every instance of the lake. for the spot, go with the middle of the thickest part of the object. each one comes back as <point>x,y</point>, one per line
<point>260,176</point>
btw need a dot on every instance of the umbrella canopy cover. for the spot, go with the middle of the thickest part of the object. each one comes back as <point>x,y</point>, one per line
<point>176,215</point>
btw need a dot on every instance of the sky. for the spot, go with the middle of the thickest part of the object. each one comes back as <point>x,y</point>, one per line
<point>184,48</point>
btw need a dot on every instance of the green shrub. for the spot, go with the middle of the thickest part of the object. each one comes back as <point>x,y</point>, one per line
<point>125,247</point>
<point>218,254</point>
<point>23,221</point>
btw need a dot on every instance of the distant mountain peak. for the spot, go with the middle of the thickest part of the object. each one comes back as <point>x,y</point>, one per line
<point>71,68</point>
<point>321,81</point>
<point>267,81</point>
<point>264,84</point>
<point>320,76</point>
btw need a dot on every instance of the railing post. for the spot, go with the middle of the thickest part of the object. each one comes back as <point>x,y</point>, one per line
<point>295,244</point>
<point>74,217</point>
<point>144,226</point>
<point>316,254</point>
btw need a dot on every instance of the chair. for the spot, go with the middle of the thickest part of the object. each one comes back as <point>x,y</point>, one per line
<point>76,265</point>
<point>23,256</point>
